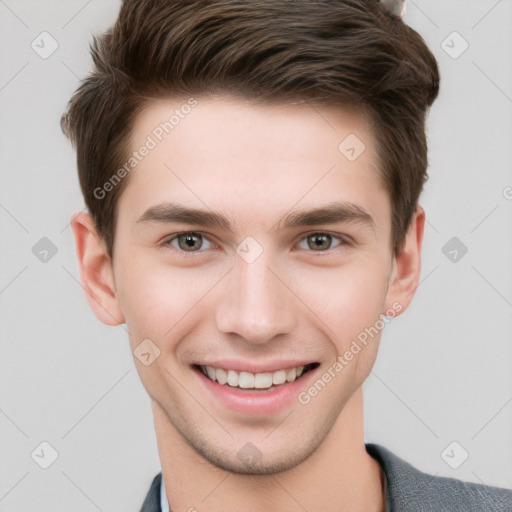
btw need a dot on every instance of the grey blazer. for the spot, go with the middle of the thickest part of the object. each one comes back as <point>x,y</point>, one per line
<point>409,490</point>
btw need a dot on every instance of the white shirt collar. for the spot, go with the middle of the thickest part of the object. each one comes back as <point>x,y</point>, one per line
<point>164,504</point>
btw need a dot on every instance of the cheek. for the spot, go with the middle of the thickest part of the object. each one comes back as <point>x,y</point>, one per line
<point>347,300</point>
<point>350,308</point>
<point>157,299</point>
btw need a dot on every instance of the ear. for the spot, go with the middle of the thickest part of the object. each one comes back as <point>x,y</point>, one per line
<point>405,276</point>
<point>96,272</point>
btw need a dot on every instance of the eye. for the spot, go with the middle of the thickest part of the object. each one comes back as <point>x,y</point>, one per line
<point>187,242</point>
<point>321,242</point>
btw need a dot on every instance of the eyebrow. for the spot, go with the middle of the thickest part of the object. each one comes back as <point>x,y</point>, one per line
<point>330,213</point>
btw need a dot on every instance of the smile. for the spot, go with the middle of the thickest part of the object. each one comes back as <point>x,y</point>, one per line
<point>248,380</point>
<point>253,390</point>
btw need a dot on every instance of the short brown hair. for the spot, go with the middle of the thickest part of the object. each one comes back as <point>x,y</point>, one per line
<point>330,52</point>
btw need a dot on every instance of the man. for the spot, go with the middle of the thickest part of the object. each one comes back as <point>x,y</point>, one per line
<point>252,173</point>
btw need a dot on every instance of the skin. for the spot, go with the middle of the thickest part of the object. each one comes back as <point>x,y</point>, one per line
<point>254,164</point>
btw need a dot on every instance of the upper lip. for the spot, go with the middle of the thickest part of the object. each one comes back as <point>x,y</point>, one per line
<point>252,367</point>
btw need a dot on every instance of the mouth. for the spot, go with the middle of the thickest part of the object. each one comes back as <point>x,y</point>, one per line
<point>264,392</point>
<point>255,382</point>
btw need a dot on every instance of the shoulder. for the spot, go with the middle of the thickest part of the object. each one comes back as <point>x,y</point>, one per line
<point>412,490</point>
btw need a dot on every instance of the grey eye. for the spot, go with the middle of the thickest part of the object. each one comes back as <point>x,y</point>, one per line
<point>319,242</point>
<point>189,242</point>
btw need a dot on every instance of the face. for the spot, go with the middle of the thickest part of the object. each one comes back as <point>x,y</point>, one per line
<point>250,249</point>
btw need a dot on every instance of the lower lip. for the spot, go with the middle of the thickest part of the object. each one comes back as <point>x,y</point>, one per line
<point>256,402</point>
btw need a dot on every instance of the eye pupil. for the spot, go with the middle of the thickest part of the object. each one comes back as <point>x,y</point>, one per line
<point>189,241</point>
<point>319,241</point>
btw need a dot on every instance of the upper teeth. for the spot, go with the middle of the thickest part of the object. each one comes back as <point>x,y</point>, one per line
<point>248,380</point>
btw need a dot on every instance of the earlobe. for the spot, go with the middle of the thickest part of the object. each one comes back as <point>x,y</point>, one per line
<point>407,265</point>
<point>96,274</point>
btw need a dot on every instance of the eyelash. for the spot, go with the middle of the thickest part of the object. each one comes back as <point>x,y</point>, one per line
<point>342,241</point>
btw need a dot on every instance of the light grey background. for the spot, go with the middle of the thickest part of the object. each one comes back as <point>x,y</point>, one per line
<point>444,370</point>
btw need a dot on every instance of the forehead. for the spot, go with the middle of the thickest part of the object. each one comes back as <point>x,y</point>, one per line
<point>247,159</point>
<point>258,131</point>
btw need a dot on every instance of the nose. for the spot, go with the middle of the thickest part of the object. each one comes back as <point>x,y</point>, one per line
<point>256,303</point>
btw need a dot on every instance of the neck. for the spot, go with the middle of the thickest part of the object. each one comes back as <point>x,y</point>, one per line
<point>339,476</point>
